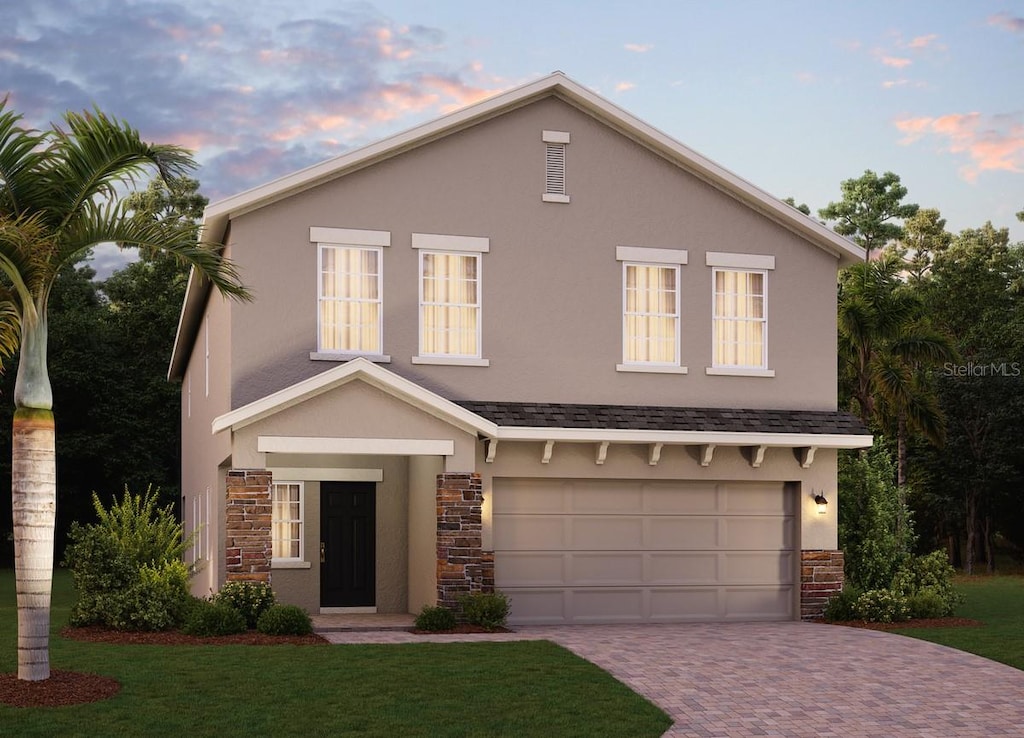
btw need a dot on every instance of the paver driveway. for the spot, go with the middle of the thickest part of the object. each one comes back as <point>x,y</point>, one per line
<point>793,679</point>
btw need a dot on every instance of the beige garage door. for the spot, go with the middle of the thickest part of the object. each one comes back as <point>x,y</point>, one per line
<point>592,551</point>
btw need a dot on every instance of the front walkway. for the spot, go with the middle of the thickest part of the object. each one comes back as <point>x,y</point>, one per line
<point>789,679</point>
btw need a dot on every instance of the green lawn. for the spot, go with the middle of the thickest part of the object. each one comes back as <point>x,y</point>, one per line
<point>457,689</point>
<point>996,601</point>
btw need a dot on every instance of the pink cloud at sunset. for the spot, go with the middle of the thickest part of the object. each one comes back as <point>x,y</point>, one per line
<point>921,42</point>
<point>995,143</point>
<point>897,62</point>
<point>638,48</point>
<point>1014,24</point>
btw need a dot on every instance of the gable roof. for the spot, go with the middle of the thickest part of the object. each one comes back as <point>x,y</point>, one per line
<point>556,84</point>
<point>523,421</point>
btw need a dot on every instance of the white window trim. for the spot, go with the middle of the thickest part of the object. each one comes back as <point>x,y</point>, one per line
<point>729,370</point>
<point>655,367</point>
<point>323,353</point>
<point>555,139</point>
<point>291,562</point>
<point>453,359</point>
<point>441,243</point>
<point>739,262</point>
<point>651,256</point>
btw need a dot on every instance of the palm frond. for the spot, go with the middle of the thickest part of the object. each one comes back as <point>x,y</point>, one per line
<point>20,159</point>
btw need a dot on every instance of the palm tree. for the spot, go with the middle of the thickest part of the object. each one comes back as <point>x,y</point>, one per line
<point>885,347</point>
<point>59,196</point>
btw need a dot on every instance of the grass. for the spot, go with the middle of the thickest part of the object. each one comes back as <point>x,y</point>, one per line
<point>423,689</point>
<point>998,602</point>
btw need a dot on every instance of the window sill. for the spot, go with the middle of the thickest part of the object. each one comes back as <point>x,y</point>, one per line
<point>651,369</point>
<point>289,564</point>
<point>342,356</point>
<point>450,361</point>
<point>549,197</point>
<point>739,371</point>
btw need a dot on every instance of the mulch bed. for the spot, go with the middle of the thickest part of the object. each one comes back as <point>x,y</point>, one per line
<point>917,623</point>
<point>72,688</point>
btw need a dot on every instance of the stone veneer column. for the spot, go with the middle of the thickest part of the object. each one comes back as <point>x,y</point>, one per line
<point>821,576</point>
<point>462,565</point>
<point>247,535</point>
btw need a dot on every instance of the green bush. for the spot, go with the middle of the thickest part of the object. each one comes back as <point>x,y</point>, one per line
<point>435,618</point>
<point>843,606</point>
<point>489,610</point>
<point>208,618</point>
<point>127,568</point>
<point>882,606</point>
<point>927,603</point>
<point>284,620</point>
<point>251,599</point>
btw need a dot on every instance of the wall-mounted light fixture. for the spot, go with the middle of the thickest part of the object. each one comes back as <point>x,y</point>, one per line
<point>821,502</point>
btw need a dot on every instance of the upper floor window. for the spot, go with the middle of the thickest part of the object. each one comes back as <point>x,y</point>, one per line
<point>650,309</point>
<point>350,299</point>
<point>739,298</point>
<point>740,319</point>
<point>349,292</point>
<point>450,299</point>
<point>286,517</point>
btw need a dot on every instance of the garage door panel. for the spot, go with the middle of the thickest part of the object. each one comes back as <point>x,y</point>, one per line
<point>632,551</point>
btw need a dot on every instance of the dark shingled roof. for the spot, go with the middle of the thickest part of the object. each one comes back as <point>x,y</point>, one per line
<point>643,417</point>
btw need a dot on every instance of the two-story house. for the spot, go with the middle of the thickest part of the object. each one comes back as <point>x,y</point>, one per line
<point>535,344</point>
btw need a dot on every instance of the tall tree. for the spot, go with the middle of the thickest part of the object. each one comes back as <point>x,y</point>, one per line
<point>869,209</point>
<point>59,197</point>
<point>924,235</point>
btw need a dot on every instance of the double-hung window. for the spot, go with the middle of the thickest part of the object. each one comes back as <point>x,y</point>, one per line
<point>740,313</point>
<point>450,299</point>
<point>286,517</point>
<point>650,309</point>
<point>349,293</point>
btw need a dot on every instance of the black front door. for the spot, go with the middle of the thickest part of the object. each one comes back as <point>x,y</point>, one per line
<point>347,544</point>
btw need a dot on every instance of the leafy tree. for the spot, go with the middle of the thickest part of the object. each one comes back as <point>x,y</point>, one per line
<point>868,209</point>
<point>59,197</point>
<point>924,235</point>
<point>802,207</point>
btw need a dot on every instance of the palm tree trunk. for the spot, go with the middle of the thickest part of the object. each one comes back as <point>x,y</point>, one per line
<point>34,498</point>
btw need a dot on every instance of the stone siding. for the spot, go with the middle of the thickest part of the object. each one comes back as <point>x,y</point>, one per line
<point>248,542</point>
<point>821,576</point>
<point>462,564</point>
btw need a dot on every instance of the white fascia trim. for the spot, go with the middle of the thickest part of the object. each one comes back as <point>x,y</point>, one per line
<point>687,438</point>
<point>555,137</point>
<point>440,242</point>
<point>349,236</point>
<point>325,474</point>
<point>366,371</point>
<point>376,446</point>
<point>650,255</point>
<point>739,261</point>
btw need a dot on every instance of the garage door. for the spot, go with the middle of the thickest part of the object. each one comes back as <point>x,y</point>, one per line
<point>599,551</point>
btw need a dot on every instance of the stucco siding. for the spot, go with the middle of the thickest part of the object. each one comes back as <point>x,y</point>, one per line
<point>551,285</point>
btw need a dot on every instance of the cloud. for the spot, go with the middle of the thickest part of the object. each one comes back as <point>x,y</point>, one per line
<point>806,78</point>
<point>638,48</point>
<point>922,42</point>
<point>1012,23</point>
<point>256,92</point>
<point>896,61</point>
<point>990,143</point>
<point>624,86</point>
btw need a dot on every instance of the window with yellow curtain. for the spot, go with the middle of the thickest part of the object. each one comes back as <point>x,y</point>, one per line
<point>650,326</point>
<point>286,520</point>
<point>449,304</point>
<point>740,318</point>
<point>350,299</point>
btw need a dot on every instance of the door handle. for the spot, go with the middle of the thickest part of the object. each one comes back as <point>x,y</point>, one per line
<point>323,552</point>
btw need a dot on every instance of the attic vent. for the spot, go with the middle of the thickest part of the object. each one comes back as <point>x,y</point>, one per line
<point>555,143</point>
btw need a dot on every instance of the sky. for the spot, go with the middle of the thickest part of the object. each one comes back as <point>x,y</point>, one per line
<point>794,96</point>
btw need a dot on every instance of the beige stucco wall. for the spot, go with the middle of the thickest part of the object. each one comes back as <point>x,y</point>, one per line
<point>205,457</point>
<point>423,471</point>
<point>551,284</point>
<point>628,461</point>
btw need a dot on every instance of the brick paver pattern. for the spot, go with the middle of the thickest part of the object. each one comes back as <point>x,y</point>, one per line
<point>789,679</point>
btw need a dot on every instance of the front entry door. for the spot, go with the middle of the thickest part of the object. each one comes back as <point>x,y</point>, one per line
<point>348,544</point>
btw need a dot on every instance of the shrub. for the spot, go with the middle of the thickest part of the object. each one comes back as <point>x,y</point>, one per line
<point>127,568</point>
<point>211,619</point>
<point>284,620</point>
<point>843,606</point>
<point>489,610</point>
<point>931,574</point>
<point>435,618</point>
<point>927,603</point>
<point>251,599</point>
<point>882,606</point>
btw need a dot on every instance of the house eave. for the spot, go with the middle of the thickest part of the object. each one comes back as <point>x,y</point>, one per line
<point>686,438</point>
